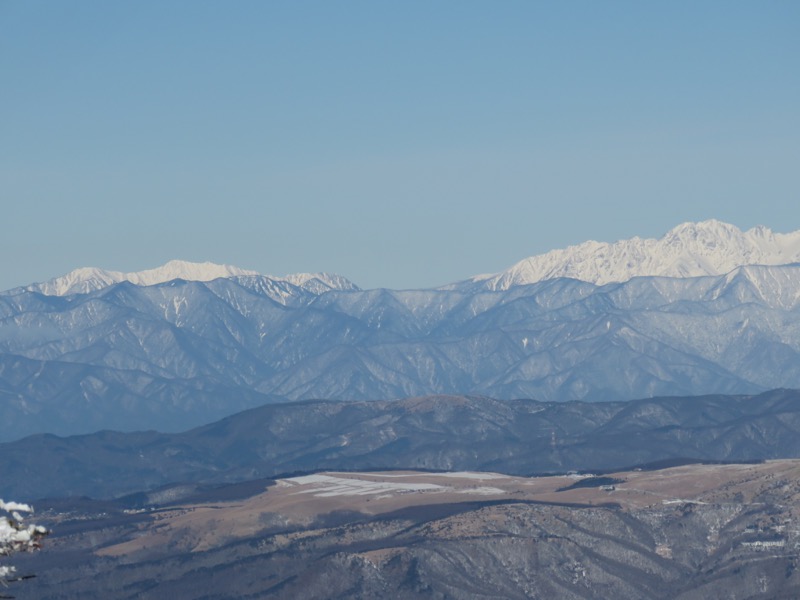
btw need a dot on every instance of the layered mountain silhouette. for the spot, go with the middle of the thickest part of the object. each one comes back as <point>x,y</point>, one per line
<point>172,353</point>
<point>450,433</point>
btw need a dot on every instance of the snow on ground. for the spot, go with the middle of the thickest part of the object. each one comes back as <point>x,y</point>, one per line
<point>458,474</point>
<point>688,250</point>
<point>482,491</point>
<point>326,486</point>
<point>468,475</point>
<point>369,484</point>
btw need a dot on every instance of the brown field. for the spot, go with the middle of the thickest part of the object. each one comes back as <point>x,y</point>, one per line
<point>297,503</point>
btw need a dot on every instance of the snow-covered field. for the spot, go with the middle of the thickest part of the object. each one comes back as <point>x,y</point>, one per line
<point>456,474</point>
<point>326,486</point>
<point>482,491</point>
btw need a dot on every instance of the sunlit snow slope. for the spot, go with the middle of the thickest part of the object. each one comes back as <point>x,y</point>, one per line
<point>689,250</point>
<point>89,279</point>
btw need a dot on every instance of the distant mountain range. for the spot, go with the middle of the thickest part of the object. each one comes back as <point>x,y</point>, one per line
<point>90,279</point>
<point>689,250</point>
<point>450,433</point>
<point>705,309</point>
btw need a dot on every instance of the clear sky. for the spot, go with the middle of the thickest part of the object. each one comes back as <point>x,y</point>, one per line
<point>401,144</point>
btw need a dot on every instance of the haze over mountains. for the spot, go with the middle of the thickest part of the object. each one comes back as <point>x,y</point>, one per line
<point>705,309</point>
<point>472,376</point>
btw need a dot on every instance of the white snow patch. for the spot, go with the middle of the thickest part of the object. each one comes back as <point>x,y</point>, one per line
<point>458,474</point>
<point>482,491</point>
<point>468,475</point>
<point>326,486</point>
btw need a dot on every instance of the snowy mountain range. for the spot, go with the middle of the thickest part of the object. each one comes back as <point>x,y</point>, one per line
<point>184,345</point>
<point>89,279</point>
<point>689,250</point>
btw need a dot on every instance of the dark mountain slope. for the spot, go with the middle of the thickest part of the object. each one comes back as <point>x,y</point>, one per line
<point>439,432</point>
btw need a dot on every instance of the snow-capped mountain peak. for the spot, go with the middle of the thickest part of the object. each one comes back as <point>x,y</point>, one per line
<point>688,250</point>
<point>89,279</point>
<point>189,271</point>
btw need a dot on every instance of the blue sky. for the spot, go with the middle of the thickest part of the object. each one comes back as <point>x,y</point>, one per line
<point>401,144</point>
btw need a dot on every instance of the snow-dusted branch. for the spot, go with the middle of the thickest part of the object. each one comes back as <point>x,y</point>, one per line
<point>16,536</point>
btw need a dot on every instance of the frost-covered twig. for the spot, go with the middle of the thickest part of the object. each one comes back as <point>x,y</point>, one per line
<point>15,536</point>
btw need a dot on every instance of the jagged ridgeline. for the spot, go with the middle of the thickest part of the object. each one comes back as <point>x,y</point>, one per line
<point>705,309</point>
